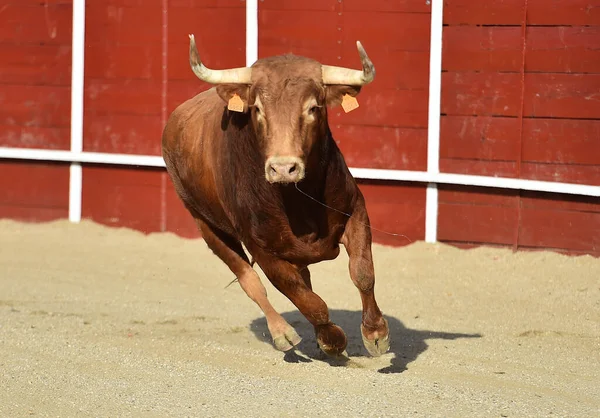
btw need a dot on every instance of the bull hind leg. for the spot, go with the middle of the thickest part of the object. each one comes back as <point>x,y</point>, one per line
<point>231,252</point>
<point>357,241</point>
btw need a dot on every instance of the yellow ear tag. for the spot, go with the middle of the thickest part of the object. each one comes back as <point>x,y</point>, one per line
<point>349,103</point>
<point>236,104</point>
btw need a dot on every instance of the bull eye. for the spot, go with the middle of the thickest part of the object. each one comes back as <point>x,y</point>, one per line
<point>313,110</point>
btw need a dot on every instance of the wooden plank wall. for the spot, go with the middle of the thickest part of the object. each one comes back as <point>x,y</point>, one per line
<point>127,95</point>
<point>128,92</point>
<point>35,80</point>
<point>482,133</point>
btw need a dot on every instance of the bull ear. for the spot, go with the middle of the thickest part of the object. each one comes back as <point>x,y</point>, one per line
<point>227,91</point>
<point>335,93</point>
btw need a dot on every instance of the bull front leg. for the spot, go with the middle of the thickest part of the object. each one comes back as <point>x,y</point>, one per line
<point>357,241</point>
<point>294,282</point>
<point>231,252</point>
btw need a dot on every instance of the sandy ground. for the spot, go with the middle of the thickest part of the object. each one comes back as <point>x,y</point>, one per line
<point>109,322</point>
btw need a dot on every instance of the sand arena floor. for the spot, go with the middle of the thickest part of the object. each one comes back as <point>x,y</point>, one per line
<point>108,322</point>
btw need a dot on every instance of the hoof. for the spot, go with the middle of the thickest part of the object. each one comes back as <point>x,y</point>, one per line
<point>376,344</point>
<point>287,340</point>
<point>332,340</point>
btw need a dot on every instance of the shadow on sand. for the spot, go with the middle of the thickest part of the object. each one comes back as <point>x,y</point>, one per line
<point>406,344</point>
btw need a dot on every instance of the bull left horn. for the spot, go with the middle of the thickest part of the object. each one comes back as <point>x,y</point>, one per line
<point>341,75</point>
<point>242,75</point>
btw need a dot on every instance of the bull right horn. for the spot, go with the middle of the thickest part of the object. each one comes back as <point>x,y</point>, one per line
<point>242,75</point>
<point>341,75</point>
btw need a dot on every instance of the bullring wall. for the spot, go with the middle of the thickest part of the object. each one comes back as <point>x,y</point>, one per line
<point>517,101</point>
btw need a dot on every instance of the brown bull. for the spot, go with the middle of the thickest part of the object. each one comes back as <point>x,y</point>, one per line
<point>239,174</point>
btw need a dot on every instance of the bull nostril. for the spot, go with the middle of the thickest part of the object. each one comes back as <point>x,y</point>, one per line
<point>284,171</point>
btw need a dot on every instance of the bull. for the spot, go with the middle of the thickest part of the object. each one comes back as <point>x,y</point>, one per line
<point>267,175</point>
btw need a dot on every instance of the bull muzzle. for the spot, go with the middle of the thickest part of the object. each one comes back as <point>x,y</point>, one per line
<point>284,170</point>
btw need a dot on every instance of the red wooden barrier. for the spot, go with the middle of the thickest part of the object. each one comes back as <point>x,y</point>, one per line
<point>481,132</point>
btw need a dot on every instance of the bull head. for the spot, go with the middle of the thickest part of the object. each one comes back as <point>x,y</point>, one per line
<point>287,98</point>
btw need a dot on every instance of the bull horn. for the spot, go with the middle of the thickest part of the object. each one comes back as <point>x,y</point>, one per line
<point>341,75</point>
<point>241,75</point>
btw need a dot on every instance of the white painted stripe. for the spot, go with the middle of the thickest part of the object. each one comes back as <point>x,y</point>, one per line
<point>77,80</point>
<point>481,181</point>
<point>82,157</point>
<point>431,212</point>
<point>360,173</point>
<point>435,87</point>
<point>75,192</point>
<point>77,74</point>
<point>433,124</point>
<point>251,32</point>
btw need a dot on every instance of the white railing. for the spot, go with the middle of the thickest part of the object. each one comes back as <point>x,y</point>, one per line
<point>77,97</point>
<point>76,156</point>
